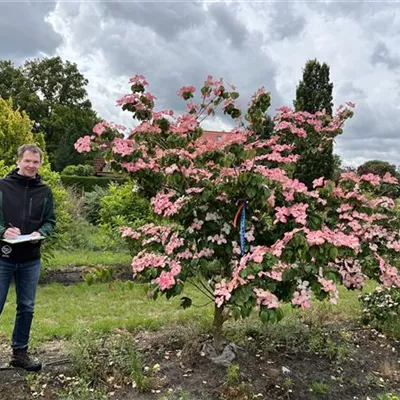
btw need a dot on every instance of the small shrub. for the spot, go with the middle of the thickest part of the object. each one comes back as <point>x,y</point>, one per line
<point>78,170</point>
<point>123,206</point>
<point>92,203</point>
<point>87,183</point>
<point>380,306</point>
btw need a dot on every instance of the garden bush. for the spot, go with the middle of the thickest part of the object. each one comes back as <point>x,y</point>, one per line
<point>92,203</point>
<point>88,183</point>
<point>78,170</point>
<point>380,306</point>
<point>123,206</point>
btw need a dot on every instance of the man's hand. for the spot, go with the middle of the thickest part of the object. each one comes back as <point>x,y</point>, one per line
<point>11,233</point>
<point>33,234</point>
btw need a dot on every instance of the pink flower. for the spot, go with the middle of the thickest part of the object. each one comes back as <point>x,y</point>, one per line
<point>194,190</point>
<point>389,179</point>
<point>128,232</point>
<point>318,182</point>
<point>266,298</point>
<point>281,214</point>
<point>371,178</point>
<point>82,145</point>
<point>165,281</point>
<point>186,90</point>
<point>302,296</point>
<point>138,80</point>
<point>124,147</point>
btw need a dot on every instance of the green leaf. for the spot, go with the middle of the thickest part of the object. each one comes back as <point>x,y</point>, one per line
<point>279,314</point>
<point>333,253</point>
<point>264,316</point>
<point>236,313</point>
<point>186,302</point>
<point>272,317</point>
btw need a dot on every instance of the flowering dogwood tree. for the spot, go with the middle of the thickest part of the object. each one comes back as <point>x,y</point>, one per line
<point>236,224</point>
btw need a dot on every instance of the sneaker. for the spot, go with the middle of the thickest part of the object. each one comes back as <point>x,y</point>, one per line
<point>21,359</point>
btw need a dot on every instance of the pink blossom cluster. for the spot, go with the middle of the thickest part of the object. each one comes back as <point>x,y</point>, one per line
<point>163,205</point>
<point>146,127</point>
<point>124,147</point>
<point>337,238</point>
<point>329,286</point>
<point>102,126</point>
<point>389,274</point>
<point>167,279</point>
<point>266,298</point>
<point>137,100</point>
<point>298,211</point>
<point>162,113</point>
<point>302,296</point>
<point>351,272</point>
<point>82,145</point>
<point>140,164</point>
<point>138,80</point>
<point>186,89</point>
<point>147,260</point>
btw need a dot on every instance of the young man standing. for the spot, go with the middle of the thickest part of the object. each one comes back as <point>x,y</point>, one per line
<point>26,208</point>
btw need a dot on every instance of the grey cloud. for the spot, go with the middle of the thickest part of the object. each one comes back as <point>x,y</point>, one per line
<point>285,22</point>
<point>195,53</point>
<point>333,9</point>
<point>381,55</point>
<point>166,19</point>
<point>377,121</point>
<point>359,150</point>
<point>24,32</point>
<point>372,133</point>
<point>228,24</point>
<point>349,92</point>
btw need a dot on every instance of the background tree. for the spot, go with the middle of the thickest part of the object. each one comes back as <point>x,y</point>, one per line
<point>377,167</point>
<point>53,93</point>
<point>380,168</point>
<point>267,127</point>
<point>15,130</point>
<point>314,94</point>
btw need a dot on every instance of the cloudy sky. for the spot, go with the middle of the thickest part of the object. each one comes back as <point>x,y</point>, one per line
<point>249,44</point>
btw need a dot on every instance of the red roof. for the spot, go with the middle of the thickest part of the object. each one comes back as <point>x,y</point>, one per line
<point>215,136</point>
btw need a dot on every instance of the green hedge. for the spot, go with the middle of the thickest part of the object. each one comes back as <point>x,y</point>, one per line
<point>87,183</point>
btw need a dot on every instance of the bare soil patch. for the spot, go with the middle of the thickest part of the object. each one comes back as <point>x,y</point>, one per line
<point>68,275</point>
<point>370,367</point>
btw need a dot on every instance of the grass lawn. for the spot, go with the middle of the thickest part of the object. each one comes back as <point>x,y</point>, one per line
<point>62,311</point>
<point>88,257</point>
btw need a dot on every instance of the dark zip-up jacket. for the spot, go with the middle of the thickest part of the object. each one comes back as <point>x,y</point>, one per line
<point>27,204</point>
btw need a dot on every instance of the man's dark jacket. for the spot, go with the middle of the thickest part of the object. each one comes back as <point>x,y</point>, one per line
<point>27,204</point>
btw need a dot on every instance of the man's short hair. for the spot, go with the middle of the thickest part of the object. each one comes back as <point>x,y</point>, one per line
<point>33,148</point>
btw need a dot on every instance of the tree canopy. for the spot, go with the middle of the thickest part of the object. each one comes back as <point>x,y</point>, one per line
<point>15,130</point>
<point>314,95</point>
<point>235,223</point>
<point>53,93</point>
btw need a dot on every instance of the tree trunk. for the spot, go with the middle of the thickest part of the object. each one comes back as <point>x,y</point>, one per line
<point>217,328</point>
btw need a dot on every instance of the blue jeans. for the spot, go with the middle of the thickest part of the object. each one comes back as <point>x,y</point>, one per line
<point>26,277</point>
